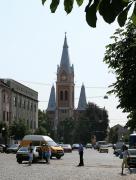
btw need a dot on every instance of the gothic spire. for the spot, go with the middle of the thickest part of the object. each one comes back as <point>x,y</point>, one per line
<point>82,104</point>
<point>65,60</point>
<point>52,102</point>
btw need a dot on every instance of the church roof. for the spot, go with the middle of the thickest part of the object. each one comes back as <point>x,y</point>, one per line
<point>65,59</point>
<point>82,104</point>
<point>52,102</point>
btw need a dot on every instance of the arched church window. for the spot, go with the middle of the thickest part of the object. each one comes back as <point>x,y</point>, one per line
<point>61,95</point>
<point>66,95</point>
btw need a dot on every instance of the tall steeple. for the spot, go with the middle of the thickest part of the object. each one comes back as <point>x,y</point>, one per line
<point>65,60</point>
<point>52,102</point>
<point>82,104</point>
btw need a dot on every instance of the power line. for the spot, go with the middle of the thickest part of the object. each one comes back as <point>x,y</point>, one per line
<point>77,98</point>
<point>78,86</point>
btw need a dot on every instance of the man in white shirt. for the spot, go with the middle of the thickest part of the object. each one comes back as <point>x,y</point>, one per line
<point>125,154</point>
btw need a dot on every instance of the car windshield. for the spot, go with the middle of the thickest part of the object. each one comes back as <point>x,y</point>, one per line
<point>132,151</point>
<point>14,145</point>
<point>52,143</point>
<point>23,149</point>
<point>102,142</point>
<point>66,145</point>
<point>75,145</point>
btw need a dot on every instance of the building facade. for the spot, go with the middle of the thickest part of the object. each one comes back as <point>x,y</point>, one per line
<point>18,102</point>
<point>5,101</point>
<point>61,103</point>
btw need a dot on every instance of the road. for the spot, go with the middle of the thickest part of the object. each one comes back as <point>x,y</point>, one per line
<point>98,166</point>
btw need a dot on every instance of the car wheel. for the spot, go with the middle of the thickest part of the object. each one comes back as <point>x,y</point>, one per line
<point>19,161</point>
<point>58,157</point>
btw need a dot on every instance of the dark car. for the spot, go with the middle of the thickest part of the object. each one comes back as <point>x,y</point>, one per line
<point>132,158</point>
<point>75,146</point>
<point>2,148</point>
<point>12,148</point>
<point>66,147</point>
<point>23,154</point>
<point>88,145</point>
<point>103,149</point>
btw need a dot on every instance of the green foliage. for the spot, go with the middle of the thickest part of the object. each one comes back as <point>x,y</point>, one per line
<point>41,131</point>
<point>68,4</point>
<point>94,121</point>
<point>54,4</point>
<point>91,17</point>
<point>66,130</point>
<point>123,16</point>
<point>108,9</point>
<point>121,59</point>
<point>131,121</point>
<point>43,1</point>
<point>79,2</point>
<point>133,17</point>
<point>18,129</point>
<point>45,126</point>
<point>113,136</point>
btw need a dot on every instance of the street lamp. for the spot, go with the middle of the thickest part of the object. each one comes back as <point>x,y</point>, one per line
<point>105,97</point>
<point>3,134</point>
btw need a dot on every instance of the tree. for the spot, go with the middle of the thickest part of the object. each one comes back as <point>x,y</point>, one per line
<point>44,124</point>
<point>4,132</point>
<point>94,121</point>
<point>121,59</point>
<point>99,121</point>
<point>113,135</point>
<point>66,130</point>
<point>18,129</point>
<point>131,121</point>
<point>108,9</point>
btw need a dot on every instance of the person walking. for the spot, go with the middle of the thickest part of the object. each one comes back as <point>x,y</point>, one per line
<point>81,152</point>
<point>46,151</point>
<point>125,155</point>
<point>30,150</point>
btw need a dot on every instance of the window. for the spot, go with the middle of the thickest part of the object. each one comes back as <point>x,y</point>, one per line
<point>4,115</point>
<point>64,111</point>
<point>35,107</point>
<point>66,95</point>
<point>7,116</point>
<point>28,123</point>
<point>4,96</point>
<point>20,102</point>
<point>24,104</point>
<point>31,106</point>
<point>28,105</point>
<point>15,101</point>
<point>61,95</point>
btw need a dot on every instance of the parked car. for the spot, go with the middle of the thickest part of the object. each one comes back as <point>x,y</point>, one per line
<point>75,146</point>
<point>99,143</point>
<point>132,158</point>
<point>103,149</point>
<point>23,154</point>
<point>13,148</point>
<point>66,147</point>
<point>2,148</point>
<point>88,145</point>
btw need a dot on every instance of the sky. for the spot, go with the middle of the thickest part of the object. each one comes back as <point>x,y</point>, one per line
<point>31,43</point>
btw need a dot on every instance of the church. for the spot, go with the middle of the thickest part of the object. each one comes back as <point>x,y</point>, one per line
<point>61,103</point>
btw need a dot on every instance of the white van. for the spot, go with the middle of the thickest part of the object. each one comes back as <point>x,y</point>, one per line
<point>38,140</point>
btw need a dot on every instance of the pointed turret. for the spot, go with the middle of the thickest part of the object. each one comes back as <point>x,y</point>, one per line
<point>65,61</point>
<point>82,104</point>
<point>52,102</point>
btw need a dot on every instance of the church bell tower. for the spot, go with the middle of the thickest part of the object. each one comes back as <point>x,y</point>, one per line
<point>65,86</point>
